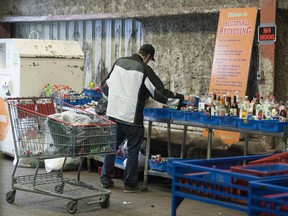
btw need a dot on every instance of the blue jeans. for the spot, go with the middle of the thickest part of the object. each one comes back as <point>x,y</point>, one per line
<point>134,135</point>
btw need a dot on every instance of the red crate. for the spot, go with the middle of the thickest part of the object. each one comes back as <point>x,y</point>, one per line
<point>262,170</point>
<point>277,158</point>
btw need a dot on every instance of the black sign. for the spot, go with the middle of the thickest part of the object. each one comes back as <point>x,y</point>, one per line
<point>267,33</point>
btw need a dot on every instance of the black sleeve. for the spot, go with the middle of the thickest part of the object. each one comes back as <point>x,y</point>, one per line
<point>104,86</point>
<point>161,94</point>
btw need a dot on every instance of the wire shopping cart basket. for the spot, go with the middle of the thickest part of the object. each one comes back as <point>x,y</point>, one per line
<point>40,133</point>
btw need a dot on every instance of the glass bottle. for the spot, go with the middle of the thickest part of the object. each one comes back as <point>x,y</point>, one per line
<point>282,113</point>
<point>244,108</point>
<point>258,109</point>
<point>228,104</point>
<point>238,98</point>
<point>222,108</point>
<point>251,106</point>
<point>234,107</point>
<point>257,101</point>
<point>201,104</point>
<point>213,108</point>
<point>267,109</point>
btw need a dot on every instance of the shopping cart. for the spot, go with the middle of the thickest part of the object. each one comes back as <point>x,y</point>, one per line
<point>40,133</point>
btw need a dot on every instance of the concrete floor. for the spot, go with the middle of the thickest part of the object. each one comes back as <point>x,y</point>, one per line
<point>156,201</point>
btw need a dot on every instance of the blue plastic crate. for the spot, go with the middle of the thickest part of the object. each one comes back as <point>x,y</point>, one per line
<point>212,181</point>
<point>163,113</point>
<point>193,116</point>
<point>159,166</point>
<point>268,197</point>
<point>272,125</point>
<point>94,94</point>
<point>85,100</point>
<point>73,102</point>
<point>178,115</point>
<point>149,112</point>
<point>228,121</point>
<point>247,124</point>
<point>170,162</point>
<point>209,119</point>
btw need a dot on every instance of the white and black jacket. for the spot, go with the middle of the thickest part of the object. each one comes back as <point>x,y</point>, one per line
<point>129,84</point>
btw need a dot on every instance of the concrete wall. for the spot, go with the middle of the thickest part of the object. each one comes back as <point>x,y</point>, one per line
<point>183,33</point>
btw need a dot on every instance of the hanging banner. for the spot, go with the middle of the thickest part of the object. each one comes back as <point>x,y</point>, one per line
<point>233,48</point>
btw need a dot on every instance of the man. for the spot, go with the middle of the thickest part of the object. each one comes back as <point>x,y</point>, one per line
<point>130,82</point>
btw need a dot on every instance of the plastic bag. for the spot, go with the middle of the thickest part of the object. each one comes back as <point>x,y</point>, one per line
<point>72,117</point>
<point>141,160</point>
<point>57,163</point>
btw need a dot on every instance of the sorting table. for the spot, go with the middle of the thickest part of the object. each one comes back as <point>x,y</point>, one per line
<point>210,128</point>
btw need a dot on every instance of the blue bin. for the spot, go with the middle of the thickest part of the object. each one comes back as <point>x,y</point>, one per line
<point>163,113</point>
<point>159,166</point>
<point>94,94</point>
<point>272,125</point>
<point>228,121</point>
<point>193,116</point>
<point>149,112</point>
<point>247,124</point>
<point>208,119</point>
<point>178,115</point>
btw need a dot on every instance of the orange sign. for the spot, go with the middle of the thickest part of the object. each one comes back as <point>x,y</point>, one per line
<point>4,119</point>
<point>233,48</point>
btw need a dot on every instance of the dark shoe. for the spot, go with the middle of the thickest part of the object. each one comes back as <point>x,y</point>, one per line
<point>107,183</point>
<point>136,189</point>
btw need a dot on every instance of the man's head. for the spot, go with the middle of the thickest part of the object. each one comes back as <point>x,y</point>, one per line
<point>147,51</point>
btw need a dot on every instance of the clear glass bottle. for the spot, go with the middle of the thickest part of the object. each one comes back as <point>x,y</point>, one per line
<point>213,108</point>
<point>201,104</point>
<point>222,108</point>
<point>267,109</point>
<point>244,108</point>
<point>258,109</point>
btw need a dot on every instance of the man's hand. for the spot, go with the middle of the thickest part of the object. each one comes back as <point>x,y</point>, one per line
<point>189,98</point>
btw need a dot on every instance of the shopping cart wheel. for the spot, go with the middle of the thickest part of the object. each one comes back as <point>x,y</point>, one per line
<point>10,196</point>
<point>59,188</point>
<point>72,207</point>
<point>106,202</point>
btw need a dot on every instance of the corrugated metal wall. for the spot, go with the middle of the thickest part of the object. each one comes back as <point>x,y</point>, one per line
<point>102,41</point>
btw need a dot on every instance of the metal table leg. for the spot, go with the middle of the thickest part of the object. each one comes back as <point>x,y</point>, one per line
<point>169,139</point>
<point>209,146</point>
<point>183,142</point>
<point>284,144</point>
<point>148,145</point>
<point>246,144</point>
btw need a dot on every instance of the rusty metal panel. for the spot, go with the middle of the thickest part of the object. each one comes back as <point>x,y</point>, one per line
<point>102,41</point>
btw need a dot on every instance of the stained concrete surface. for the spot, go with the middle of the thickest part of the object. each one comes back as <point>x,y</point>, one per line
<point>156,201</point>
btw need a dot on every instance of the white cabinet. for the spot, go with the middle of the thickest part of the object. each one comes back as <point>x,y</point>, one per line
<point>27,65</point>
